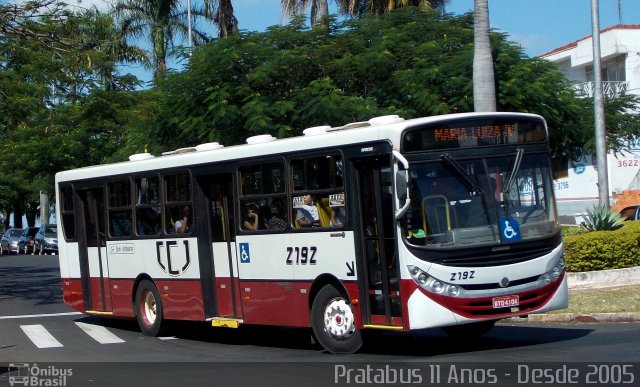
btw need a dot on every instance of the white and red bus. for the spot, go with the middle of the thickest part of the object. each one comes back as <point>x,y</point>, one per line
<point>445,221</point>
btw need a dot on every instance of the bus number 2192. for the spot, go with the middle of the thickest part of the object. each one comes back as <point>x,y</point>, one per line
<point>301,255</point>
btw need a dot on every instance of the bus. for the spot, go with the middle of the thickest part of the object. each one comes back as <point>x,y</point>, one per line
<point>390,224</point>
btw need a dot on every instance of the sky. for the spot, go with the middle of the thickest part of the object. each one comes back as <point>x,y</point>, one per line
<point>538,26</point>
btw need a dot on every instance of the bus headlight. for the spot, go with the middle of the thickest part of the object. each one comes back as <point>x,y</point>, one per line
<point>453,290</point>
<point>432,284</point>
<point>554,273</point>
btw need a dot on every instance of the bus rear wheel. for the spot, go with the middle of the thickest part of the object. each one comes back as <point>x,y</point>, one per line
<point>149,309</point>
<point>476,329</point>
<point>333,322</point>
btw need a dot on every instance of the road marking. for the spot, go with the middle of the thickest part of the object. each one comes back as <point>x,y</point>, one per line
<point>168,338</point>
<point>39,315</point>
<point>40,336</point>
<point>99,333</point>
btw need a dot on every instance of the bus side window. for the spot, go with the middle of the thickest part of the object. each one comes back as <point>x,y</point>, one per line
<point>148,210</point>
<point>262,196</point>
<point>67,213</point>
<point>318,199</point>
<point>120,216</point>
<point>177,206</point>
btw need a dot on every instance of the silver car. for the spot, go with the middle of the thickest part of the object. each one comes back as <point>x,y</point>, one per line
<point>9,242</point>
<point>46,240</point>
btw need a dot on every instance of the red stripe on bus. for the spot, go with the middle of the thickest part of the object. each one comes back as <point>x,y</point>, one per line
<point>181,300</point>
<point>72,293</point>
<point>482,307</point>
<point>284,303</point>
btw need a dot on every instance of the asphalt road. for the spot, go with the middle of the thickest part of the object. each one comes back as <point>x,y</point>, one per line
<point>39,334</point>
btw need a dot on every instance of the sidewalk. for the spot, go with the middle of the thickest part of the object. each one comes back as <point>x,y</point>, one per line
<point>592,280</point>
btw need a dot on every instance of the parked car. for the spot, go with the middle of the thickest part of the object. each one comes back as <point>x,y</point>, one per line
<point>25,243</point>
<point>46,240</point>
<point>9,242</point>
<point>631,212</point>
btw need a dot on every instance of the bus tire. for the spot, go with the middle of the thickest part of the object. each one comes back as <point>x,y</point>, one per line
<point>149,309</point>
<point>471,330</point>
<point>333,322</point>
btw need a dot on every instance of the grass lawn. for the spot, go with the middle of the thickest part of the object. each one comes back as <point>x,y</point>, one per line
<point>614,300</point>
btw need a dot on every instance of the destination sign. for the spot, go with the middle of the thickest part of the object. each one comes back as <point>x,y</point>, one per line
<point>473,133</point>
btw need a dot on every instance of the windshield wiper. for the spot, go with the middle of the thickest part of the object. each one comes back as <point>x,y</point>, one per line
<point>465,179</point>
<point>515,169</point>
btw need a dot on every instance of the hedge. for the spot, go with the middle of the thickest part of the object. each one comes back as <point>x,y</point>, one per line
<point>603,250</point>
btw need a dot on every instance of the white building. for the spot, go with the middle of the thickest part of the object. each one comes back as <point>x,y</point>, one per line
<point>620,58</point>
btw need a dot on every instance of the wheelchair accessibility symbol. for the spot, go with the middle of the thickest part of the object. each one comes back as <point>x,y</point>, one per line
<point>245,256</point>
<point>510,229</point>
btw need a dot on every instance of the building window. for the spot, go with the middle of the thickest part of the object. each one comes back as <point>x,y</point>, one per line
<point>613,70</point>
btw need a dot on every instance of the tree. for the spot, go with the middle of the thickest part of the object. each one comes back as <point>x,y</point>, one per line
<point>484,90</point>
<point>161,21</point>
<point>53,61</point>
<point>410,62</point>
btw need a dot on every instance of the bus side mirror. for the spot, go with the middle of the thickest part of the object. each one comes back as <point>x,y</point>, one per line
<point>401,185</point>
<point>402,193</point>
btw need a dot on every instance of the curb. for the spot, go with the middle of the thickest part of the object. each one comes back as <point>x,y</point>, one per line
<point>603,278</point>
<point>579,317</point>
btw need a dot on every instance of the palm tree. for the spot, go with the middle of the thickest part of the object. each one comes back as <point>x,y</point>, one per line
<point>484,88</point>
<point>161,20</point>
<point>224,18</point>
<point>319,9</point>
<point>357,7</point>
<point>98,34</point>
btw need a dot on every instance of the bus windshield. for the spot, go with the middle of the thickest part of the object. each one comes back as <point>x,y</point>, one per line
<point>479,201</point>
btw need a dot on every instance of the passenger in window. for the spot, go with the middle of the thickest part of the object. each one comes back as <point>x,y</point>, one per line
<point>307,215</point>
<point>182,225</point>
<point>337,217</point>
<point>252,220</point>
<point>277,222</point>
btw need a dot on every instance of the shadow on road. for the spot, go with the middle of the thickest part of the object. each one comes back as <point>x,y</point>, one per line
<point>33,278</point>
<point>420,343</point>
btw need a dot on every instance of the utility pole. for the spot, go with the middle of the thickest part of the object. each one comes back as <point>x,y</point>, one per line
<point>598,108</point>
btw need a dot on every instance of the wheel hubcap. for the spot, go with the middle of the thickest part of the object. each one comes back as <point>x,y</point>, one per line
<point>149,308</point>
<point>338,319</point>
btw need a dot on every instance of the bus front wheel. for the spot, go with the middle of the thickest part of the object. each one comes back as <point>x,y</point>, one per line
<point>333,322</point>
<point>149,309</point>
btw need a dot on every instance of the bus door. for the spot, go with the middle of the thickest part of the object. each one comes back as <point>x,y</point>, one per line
<point>216,247</point>
<point>378,247</point>
<point>94,268</point>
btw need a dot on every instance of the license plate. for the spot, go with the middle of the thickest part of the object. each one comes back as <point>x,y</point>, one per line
<point>506,301</point>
